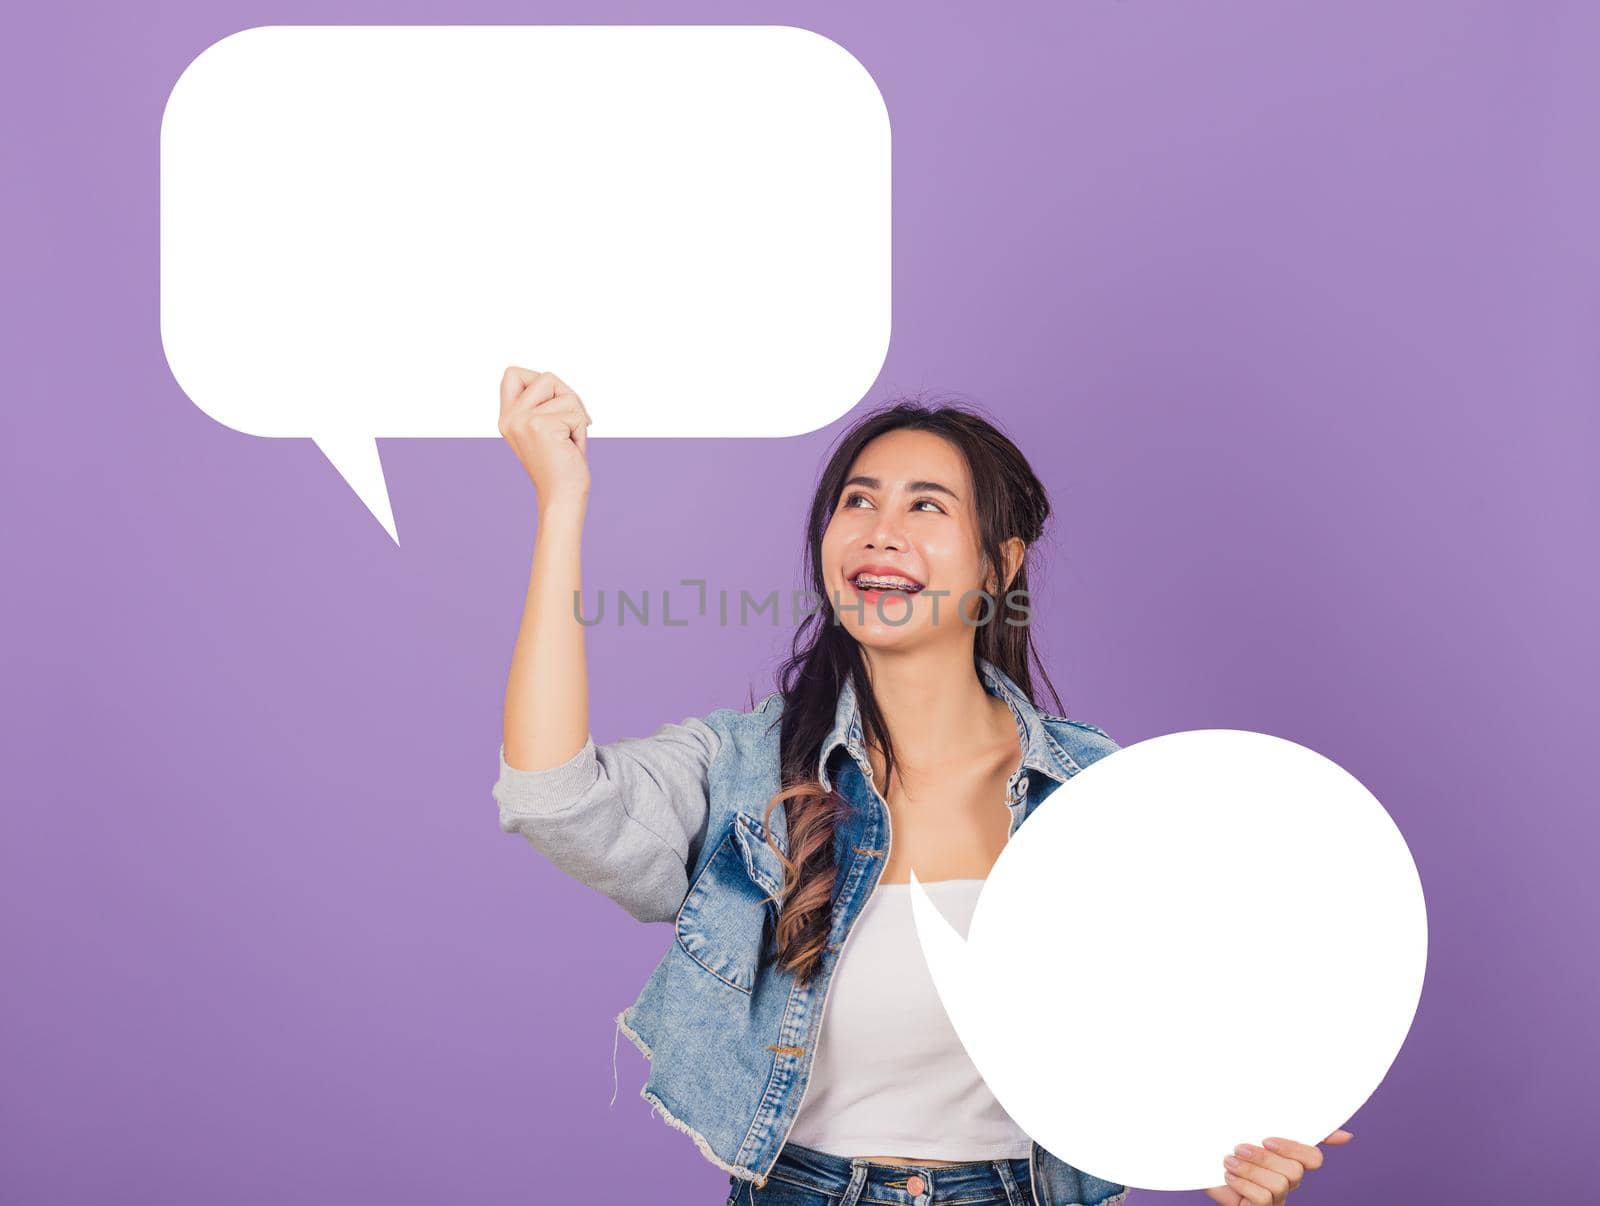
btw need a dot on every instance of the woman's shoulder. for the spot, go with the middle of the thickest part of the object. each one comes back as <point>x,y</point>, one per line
<point>766,709</point>
<point>746,754</point>
<point>1083,725</point>
<point>1085,742</point>
<point>749,724</point>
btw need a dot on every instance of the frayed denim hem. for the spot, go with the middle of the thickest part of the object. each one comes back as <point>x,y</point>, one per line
<point>673,1121</point>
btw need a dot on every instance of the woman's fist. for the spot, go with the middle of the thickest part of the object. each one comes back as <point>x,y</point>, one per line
<point>548,428</point>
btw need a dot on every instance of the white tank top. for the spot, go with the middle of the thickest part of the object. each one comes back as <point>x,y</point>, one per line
<point>889,1076</point>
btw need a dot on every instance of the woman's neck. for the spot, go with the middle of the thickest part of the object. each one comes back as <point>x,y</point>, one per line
<point>936,708</point>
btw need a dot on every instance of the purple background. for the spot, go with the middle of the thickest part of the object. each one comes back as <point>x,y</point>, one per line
<point>1292,304</point>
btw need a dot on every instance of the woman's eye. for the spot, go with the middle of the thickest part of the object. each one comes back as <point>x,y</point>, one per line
<point>854,497</point>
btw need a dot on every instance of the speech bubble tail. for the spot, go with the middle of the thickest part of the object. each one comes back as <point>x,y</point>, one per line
<point>945,950</point>
<point>356,460</point>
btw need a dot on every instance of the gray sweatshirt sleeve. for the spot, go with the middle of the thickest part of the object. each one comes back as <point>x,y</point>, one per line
<point>627,818</point>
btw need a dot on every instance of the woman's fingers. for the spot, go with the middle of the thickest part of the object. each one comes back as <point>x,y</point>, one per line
<point>522,388</point>
<point>564,402</point>
<point>1270,1179</point>
<point>525,394</point>
<point>546,424</point>
<point>1224,1196</point>
<point>1292,1171</point>
<point>1303,1152</point>
<point>1267,1174</point>
<point>549,390</point>
<point>512,383</point>
<point>1248,1190</point>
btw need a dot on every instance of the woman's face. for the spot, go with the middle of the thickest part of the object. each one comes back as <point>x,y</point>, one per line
<point>905,511</point>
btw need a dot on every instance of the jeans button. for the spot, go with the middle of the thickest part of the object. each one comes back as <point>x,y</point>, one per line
<point>915,1185</point>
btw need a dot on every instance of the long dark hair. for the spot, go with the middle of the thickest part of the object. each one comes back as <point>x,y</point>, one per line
<point>1009,501</point>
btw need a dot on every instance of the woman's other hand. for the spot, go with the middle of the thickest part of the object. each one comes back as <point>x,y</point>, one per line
<point>1266,1175</point>
<point>547,426</point>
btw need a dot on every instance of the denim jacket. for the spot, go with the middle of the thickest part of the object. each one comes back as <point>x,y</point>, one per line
<point>670,827</point>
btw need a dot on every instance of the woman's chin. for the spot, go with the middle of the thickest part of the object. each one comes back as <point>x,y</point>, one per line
<point>874,634</point>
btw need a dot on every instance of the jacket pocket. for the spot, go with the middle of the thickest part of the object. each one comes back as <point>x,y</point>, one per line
<point>725,921</point>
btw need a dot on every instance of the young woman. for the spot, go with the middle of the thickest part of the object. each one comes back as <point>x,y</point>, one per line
<point>779,839</point>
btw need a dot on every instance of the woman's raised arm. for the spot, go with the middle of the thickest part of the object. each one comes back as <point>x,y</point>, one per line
<point>626,818</point>
<point>547,692</point>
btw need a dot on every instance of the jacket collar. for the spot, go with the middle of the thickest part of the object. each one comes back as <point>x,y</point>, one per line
<point>1040,750</point>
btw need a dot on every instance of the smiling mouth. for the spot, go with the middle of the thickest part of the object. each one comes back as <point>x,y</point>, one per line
<point>874,583</point>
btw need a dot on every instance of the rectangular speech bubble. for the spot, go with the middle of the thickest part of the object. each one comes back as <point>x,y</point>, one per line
<point>361,226</point>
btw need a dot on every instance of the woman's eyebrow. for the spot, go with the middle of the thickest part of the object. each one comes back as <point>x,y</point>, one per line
<point>917,487</point>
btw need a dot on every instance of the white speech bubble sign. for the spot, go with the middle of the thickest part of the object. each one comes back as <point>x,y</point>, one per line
<point>1204,939</point>
<point>362,226</point>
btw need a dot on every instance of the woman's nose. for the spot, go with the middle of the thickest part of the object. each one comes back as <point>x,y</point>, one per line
<point>885,534</point>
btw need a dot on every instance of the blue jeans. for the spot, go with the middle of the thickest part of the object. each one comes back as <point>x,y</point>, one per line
<point>803,1176</point>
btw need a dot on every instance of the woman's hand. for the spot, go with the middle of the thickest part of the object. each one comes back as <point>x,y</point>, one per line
<point>547,426</point>
<point>1265,1175</point>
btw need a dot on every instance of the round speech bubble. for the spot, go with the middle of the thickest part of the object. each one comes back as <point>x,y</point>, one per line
<point>1204,939</point>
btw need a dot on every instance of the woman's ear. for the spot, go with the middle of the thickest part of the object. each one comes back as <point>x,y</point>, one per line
<point>1012,550</point>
